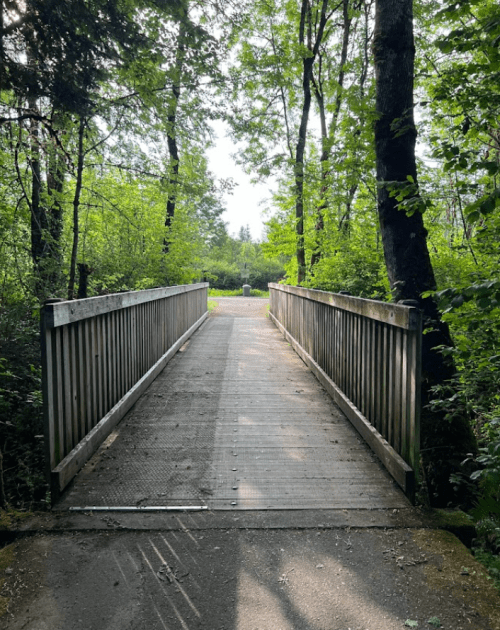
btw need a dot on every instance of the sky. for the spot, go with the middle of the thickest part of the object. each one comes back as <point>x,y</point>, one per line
<point>243,206</point>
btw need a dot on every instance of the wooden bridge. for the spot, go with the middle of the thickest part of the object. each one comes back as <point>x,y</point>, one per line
<point>151,404</point>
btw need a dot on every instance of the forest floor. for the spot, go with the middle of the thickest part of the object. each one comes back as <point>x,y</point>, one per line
<point>241,571</point>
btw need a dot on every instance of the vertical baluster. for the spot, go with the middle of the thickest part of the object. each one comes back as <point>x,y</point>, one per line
<point>365,337</point>
<point>356,377</point>
<point>121,357</point>
<point>65,367</point>
<point>405,396</point>
<point>390,386</point>
<point>100,366</point>
<point>113,359</point>
<point>414,394</point>
<point>147,337</point>
<point>358,360</point>
<point>105,364</point>
<point>340,348</point>
<point>82,399</point>
<point>134,358</point>
<point>384,381</point>
<point>348,353</point>
<point>397,418</point>
<point>141,341</point>
<point>75,419</point>
<point>59,397</point>
<point>372,382</point>
<point>50,394</point>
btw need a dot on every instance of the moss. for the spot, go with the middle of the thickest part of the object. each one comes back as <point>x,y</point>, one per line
<point>455,521</point>
<point>454,570</point>
<point>445,519</point>
<point>9,517</point>
<point>6,560</point>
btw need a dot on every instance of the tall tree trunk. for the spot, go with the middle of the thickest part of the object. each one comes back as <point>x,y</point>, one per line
<point>299,171</point>
<point>305,39</point>
<point>38,216</point>
<point>76,210</point>
<point>55,183</point>
<point>173,149</point>
<point>444,443</point>
<point>328,132</point>
<point>46,219</point>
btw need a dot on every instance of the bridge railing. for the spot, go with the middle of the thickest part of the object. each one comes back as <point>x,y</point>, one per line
<point>367,354</point>
<point>98,356</point>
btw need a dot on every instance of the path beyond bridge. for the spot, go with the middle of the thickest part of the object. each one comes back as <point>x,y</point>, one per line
<point>236,421</point>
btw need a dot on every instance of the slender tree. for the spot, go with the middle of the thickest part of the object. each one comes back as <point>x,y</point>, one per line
<point>311,31</point>
<point>173,149</point>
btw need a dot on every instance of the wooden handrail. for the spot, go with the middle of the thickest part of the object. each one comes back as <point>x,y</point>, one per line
<point>367,354</point>
<point>98,356</point>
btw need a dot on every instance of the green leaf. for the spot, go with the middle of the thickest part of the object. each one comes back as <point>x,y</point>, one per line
<point>434,621</point>
<point>473,216</point>
<point>410,623</point>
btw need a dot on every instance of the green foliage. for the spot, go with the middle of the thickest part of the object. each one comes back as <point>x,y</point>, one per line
<point>21,425</point>
<point>236,293</point>
<point>235,262</point>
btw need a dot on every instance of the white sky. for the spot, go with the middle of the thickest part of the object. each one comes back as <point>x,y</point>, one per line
<point>243,206</point>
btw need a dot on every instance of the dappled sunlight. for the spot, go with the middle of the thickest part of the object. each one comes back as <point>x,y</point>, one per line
<point>169,546</point>
<point>167,598</point>
<point>247,490</point>
<point>294,454</point>
<point>319,580</point>
<point>179,587</point>
<point>245,420</point>
<point>256,601</point>
<point>338,593</point>
<point>186,530</point>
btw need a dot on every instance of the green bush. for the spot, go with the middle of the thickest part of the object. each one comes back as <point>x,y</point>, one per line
<point>21,426</point>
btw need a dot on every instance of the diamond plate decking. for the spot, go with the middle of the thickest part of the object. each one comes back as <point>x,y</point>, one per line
<point>235,421</point>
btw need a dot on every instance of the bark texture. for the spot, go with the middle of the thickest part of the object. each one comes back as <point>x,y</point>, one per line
<point>444,443</point>
<point>312,42</point>
<point>328,131</point>
<point>173,150</point>
<point>76,211</point>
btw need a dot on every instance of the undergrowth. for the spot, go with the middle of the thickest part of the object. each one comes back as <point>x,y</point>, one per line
<point>236,293</point>
<point>473,314</point>
<point>22,479</point>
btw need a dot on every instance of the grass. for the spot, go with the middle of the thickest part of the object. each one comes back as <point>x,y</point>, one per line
<point>236,293</point>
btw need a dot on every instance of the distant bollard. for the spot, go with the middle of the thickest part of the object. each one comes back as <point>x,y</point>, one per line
<point>246,290</point>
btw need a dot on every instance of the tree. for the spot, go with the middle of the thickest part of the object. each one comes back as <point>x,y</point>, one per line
<point>409,268</point>
<point>244,235</point>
